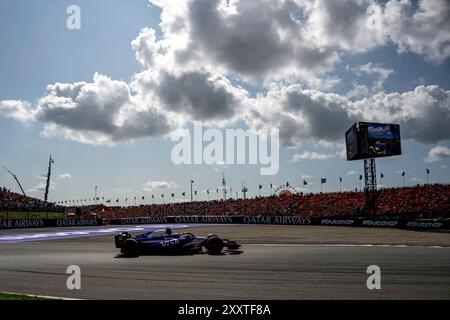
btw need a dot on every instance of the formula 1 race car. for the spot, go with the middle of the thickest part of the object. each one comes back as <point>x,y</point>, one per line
<point>164,241</point>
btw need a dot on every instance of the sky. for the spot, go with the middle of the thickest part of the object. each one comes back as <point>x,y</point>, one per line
<point>106,100</point>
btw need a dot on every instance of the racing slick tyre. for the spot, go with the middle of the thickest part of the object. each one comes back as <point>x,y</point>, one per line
<point>214,245</point>
<point>130,248</point>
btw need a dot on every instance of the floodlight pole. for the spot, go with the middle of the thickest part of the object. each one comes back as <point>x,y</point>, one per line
<point>224,186</point>
<point>244,190</point>
<point>47,186</point>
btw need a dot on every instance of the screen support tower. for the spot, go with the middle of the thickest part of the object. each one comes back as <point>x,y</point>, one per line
<point>370,188</point>
<point>47,186</point>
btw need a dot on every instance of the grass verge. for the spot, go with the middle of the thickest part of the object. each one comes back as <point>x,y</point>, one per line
<point>16,296</point>
<point>31,215</point>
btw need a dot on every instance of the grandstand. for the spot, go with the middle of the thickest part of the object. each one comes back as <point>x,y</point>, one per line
<point>427,201</point>
<point>14,205</point>
<point>420,202</point>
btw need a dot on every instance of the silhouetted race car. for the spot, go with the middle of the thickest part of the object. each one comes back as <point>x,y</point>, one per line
<point>164,241</point>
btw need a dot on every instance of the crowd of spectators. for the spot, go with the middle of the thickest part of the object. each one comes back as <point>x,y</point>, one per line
<point>431,200</point>
<point>11,201</point>
<point>421,201</point>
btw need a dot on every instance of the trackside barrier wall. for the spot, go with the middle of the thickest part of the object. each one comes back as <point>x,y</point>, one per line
<point>47,223</point>
<point>267,220</point>
<point>282,220</point>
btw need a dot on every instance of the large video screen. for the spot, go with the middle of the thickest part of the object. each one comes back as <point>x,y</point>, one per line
<point>373,140</point>
<point>351,141</point>
<point>383,140</point>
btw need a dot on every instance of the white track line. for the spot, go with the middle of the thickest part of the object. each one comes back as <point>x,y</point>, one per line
<point>343,245</point>
<point>39,296</point>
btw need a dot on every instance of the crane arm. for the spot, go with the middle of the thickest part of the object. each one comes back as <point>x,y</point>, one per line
<point>17,180</point>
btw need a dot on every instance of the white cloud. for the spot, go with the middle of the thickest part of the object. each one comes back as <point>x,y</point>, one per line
<point>187,73</point>
<point>65,176</point>
<point>423,114</point>
<point>40,187</point>
<point>18,110</point>
<point>99,112</point>
<point>438,153</point>
<point>193,95</point>
<point>422,30</point>
<point>358,91</point>
<point>303,115</point>
<point>272,41</point>
<point>152,185</point>
<point>311,155</point>
<point>37,188</point>
<point>375,71</point>
<point>342,24</point>
<point>341,153</point>
<point>145,46</point>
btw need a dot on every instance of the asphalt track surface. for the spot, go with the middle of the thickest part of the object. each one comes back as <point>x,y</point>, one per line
<point>262,271</point>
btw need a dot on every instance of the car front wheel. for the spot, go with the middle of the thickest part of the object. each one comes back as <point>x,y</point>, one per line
<point>214,245</point>
<point>130,248</point>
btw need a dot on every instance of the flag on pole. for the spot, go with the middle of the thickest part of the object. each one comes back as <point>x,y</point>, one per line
<point>403,173</point>
<point>428,171</point>
<point>260,187</point>
<point>305,183</point>
<point>183,194</point>
<point>381,175</point>
<point>173,195</point>
<point>360,177</point>
<point>323,180</point>
<point>340,179</point>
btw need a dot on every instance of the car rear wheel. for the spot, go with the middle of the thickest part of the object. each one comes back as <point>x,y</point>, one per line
<point>214,245</point>
<point>130,248</point>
